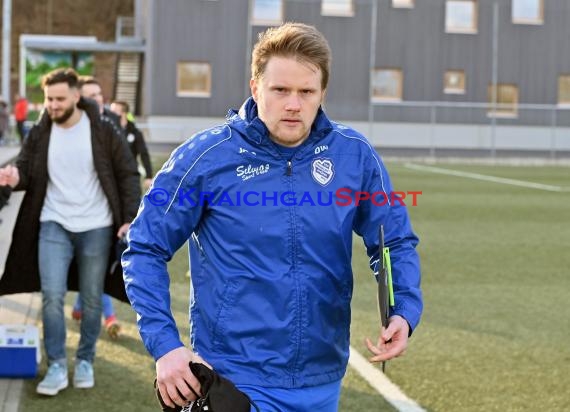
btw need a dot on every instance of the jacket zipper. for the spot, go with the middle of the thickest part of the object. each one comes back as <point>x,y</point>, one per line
<point>299,315</point>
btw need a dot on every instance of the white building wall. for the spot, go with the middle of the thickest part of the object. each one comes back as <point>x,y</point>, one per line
<point>163,129</point>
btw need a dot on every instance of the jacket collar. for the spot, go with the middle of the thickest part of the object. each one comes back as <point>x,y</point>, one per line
<point>89,106</point>
<point>250,125</point>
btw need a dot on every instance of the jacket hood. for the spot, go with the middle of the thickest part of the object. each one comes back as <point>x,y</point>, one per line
<point>246,121</point>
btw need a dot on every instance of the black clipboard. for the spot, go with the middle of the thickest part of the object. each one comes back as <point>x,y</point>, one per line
<point>383,293</point>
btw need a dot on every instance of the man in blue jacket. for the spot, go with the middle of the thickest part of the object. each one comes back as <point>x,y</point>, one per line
<point>271,242</point>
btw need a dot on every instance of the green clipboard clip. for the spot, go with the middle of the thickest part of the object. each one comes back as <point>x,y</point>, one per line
<point>385,289</point>
<point>388,266</point>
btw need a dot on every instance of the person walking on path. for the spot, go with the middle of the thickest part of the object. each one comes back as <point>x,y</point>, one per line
<point>21,115</point>
<point>90,88</point>
<point>81,193</point>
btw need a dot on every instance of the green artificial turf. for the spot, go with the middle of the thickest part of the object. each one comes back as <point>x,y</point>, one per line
<point>496,325</point>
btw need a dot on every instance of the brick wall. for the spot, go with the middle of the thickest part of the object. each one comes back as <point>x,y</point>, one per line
<point>71,18</point>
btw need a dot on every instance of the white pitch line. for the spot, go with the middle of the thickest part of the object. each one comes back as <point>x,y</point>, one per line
<point>392,393</point>
<point>494,179</point>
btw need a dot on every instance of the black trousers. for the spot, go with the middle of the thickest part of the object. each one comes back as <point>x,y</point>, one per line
<point>21,130</point>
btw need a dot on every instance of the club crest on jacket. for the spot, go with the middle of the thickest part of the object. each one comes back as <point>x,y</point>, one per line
<point>322,171</point>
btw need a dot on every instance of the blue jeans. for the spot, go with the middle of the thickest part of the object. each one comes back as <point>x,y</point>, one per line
<point>106,301</point>
<point>57,247</point>
<point>322,398</point>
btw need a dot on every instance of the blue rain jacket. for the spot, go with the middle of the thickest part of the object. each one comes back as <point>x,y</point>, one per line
<point>270,248</point>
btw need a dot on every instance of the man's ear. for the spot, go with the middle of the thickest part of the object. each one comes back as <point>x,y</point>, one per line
<point>76,95</point>
<point>323,96</point>
<point>254,88</point>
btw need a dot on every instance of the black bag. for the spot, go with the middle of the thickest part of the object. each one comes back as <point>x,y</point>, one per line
<point>220,394</point>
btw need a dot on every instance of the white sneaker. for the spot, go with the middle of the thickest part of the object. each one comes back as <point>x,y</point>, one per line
<point>83,376</point>
<point>54,381</point>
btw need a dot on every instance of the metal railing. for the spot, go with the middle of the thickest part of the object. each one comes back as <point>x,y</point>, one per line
<point>476,125</point>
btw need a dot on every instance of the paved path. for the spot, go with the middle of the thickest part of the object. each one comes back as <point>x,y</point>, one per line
<point>22,308</point>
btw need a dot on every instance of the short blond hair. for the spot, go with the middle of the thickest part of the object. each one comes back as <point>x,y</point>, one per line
<point>296,40</point>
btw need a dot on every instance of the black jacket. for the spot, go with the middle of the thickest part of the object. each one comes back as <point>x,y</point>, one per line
<point>113,116</point>
<point>138,147</point>
<point>119,180</point>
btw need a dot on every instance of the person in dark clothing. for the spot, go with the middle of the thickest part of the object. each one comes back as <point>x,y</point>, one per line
<point>135,139</point>
<point>81,192</point>
<point>90,88</point>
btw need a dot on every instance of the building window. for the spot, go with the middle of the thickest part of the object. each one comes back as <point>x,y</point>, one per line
<point>454,82</point>
<point>527,11</point>
<point>564,90</point>
<point>267,12</point>
<point>387,85</point>
<point>193,79</point>
<point>337,8</point>
<point>507,100</point>
<point>461,16</point>
<point>403,4</point>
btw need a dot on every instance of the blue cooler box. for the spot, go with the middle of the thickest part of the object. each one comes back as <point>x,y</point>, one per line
<point>19,351</point>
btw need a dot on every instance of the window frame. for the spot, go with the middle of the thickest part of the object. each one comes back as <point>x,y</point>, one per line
<point>337,13</point>
<point>405,4</point>
<point>561,78</point>
<point>462,30</point>
<point>454,90</point>
<point>501,111</point>
<point>399,86</point>
<point>539,21</point>
<point>267,22</point>
<point>201,94</point>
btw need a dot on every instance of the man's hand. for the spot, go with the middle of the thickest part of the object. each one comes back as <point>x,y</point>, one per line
<point>175,381</point>
<point>147,183</point>
<point>392,341</point>
<point>9,175</point>
<point>123,230</point>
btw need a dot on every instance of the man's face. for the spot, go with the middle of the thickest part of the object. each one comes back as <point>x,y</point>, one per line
<point>93,91</point>
<point>60,101</point>
<point>117,109</point>
<point>288,96</point>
